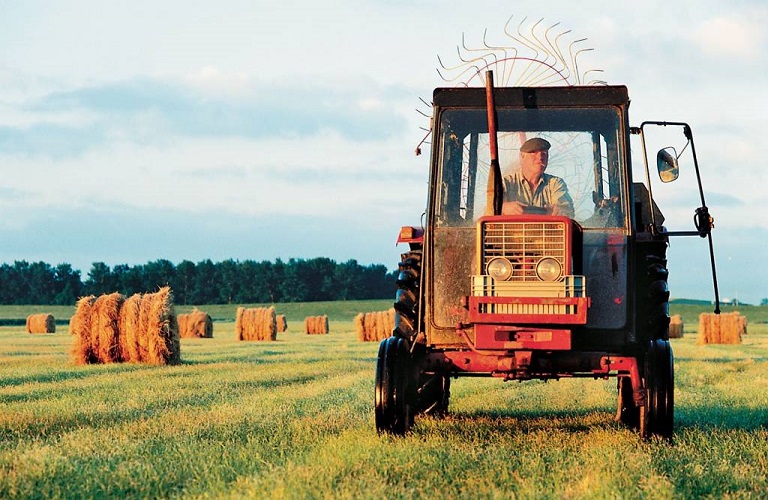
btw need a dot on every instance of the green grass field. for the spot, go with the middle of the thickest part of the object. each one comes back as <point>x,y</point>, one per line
<point>294,419</point>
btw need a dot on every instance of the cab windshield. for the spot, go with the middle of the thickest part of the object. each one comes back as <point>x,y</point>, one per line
<point>584,153</point>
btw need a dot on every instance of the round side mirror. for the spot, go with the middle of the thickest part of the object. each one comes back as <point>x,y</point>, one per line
<point>666,162</point>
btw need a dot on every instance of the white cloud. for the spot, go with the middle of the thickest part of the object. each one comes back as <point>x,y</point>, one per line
<point>730,37</point>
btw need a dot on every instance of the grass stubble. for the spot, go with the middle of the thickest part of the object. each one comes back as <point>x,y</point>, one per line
<point>294,418</point>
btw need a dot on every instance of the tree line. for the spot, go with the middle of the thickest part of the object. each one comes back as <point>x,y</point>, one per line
<point>205,282</point>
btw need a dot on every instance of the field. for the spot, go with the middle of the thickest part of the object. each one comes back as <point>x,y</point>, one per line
<point>294,418</point>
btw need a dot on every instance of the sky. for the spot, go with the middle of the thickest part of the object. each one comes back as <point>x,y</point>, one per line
<point>132,131</point>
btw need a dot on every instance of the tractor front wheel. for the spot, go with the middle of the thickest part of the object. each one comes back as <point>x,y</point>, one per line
<point>393,408</point>
<point>658,415</point>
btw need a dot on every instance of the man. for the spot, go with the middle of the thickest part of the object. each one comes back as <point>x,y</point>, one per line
<point>531,187</point>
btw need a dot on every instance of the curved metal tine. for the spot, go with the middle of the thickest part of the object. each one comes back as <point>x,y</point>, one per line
<point>553,46</point>
<point>566,66</point>
<point>503,72</point>
<point>592,82</point>
<point>573,56</point>
<point>427,104</point>
<point>576,62</point>
<point>422,113</point>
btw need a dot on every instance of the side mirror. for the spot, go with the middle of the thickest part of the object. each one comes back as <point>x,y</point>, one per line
<point>666,162</point>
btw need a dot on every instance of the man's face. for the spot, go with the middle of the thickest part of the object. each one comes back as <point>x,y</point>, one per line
<point>534,162</point>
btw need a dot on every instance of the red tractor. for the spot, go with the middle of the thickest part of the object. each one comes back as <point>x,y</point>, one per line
<point>537,295</point>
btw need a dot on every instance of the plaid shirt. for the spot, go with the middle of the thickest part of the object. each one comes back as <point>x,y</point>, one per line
<point>550,192</point>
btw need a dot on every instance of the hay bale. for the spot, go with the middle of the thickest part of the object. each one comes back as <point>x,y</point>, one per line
<point>316,325</point>
<point>724,328</point>
<point>195,324</point>
<point>41,323</point>
<point>676,327</point>
<point>239,323</point>
<point>375,325</point>
<point>80,328</point>
<point>130,329</point>
<point>105,316</point>
<point>111,328</point>
<point>162,329</point>
<point>282,323</point>
<point>359,321</point>
<point>256,323</point>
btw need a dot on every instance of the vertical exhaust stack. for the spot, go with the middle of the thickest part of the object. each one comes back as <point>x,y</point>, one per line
<point>494,190</point>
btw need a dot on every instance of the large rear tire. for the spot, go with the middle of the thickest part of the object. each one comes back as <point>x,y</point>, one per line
<point>407,296</point>
<point>393,408</point>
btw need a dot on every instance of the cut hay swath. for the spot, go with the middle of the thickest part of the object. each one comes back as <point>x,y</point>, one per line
<point>195,324</point>
<point>316,325</point>
<point>256,323</point>
<point>374,326</point>
<point>676,327</point>
<point>41,323</point>
<point>723,328</point>
<point>113,329</point>
<point>282,323</point>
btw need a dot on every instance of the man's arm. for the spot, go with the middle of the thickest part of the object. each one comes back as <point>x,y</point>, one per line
<point>560,199</point>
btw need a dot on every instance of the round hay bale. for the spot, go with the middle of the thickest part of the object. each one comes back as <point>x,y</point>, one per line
<point>239,323</point>
<point>162,329</point>
<point>41,323</point>
<point>195,324</point>
<point>105,332</point>
<point>282,323</point>
<point>676,327</point>
<point>130,329</point>
<point>81,351</point>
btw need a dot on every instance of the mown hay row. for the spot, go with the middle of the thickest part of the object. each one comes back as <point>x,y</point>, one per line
<point>41,323</point>
<point>676,327</point>
<point>256,323</point>
<point>316,325</point>
<point>723,328</point>
<point>374,326</point>
<point>113,329</point>
<point>282,323</point>
<point>195,324</point>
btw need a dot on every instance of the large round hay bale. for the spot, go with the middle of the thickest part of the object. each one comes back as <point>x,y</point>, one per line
<point>676,327</point>
<point>130,329</point>
<point>41,323</point>
<point>256,323</point>
<point>80,329</point>
<point>162,330</point>
<point>105,332</point>
<point>195,324</point>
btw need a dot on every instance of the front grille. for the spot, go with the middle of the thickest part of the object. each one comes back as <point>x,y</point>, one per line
<point>524,244</point>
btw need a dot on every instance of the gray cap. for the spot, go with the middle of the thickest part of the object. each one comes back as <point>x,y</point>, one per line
<point>535,144</point>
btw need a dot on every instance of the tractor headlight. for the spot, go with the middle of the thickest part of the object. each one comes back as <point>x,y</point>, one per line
<point>548,269</point>
<point>500,269</point>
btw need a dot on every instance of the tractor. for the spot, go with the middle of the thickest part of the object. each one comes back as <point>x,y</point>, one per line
<point>537,295</point>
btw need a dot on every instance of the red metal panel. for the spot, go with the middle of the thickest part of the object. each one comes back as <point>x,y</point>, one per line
<point>506,338</point>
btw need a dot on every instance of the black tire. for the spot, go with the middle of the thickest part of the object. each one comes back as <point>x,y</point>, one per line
<point>628,412</point>
<point>407,297</point>
<point>659,413</point>
<point>393,406</point>
<point>655,306</point>
<point>433,394</point>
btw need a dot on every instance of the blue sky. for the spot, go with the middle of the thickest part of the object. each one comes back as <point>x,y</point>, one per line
<point>133,130</point>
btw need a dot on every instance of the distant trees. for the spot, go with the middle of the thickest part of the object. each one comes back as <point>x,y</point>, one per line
<point>227,282</point>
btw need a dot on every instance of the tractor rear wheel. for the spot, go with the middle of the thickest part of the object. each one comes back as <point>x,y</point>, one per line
<point>658,415</point>
<point>628,412</point>
<point>407,296</point>
<point>393,408</point>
